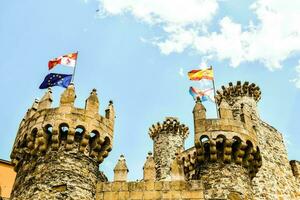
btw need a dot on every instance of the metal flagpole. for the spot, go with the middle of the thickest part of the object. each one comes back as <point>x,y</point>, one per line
<point>73,75</point>
<point>213,81</point>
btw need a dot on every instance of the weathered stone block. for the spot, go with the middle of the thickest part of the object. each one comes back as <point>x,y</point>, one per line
<point>177,185</point>
<point>132,186</point>
<point>151,195</point>
<point>140,186</point>
<point>123,195</point>
<point>149,185</point>
<point>165,185</point>
<point>136,195</point>
<point>111,195</point>
<point>158,185</point>
<point>124,186</point>
<point>192,195</point>
<point>107,187</point>
<point>116,186</point>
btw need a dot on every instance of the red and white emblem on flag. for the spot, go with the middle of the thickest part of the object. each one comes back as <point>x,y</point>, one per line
<point>67,60</point>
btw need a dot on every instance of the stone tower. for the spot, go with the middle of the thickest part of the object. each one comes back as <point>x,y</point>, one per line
<point>242,98</point>
<point>168,140</point>
<point>227,151</point>
<point>57,151</point>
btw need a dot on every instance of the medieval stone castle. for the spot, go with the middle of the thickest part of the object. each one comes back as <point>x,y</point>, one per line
<point>57,153</point>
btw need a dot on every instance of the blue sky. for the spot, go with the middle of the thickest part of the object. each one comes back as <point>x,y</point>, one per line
<point>137,53</point>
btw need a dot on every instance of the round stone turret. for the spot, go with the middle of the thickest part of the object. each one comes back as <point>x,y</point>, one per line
<point>226,155</point>
<point>57,151</point>
<point>241,97</point>
<point>168,140</point>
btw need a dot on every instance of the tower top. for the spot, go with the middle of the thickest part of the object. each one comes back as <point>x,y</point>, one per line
<point>232,93</point>
<point>66,127</point>
<point>170,125</point>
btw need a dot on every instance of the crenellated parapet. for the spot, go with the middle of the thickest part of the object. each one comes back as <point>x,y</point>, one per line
<point>170,126</point>
<point>82,131</point>
<point>242,98</point>
<point>232,92</point>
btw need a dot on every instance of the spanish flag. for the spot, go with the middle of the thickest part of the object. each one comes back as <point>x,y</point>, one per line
<point>199,74</point>
<point>67,60</point>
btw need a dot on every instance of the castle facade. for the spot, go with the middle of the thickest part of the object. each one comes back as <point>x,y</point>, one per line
<point>57,153</point>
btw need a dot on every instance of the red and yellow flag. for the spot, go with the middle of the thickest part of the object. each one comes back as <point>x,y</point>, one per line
<point>199,74</point>
<point>67,60</point>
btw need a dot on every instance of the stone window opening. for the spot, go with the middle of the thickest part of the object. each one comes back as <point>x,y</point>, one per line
<point>79,132</point>
<point>204,139</point>
<point>63,131</point>
<point>236,141</point>
<point>220,146</point>
<point>48,130</point>
<point>94,135</point>
<point>249,147</point>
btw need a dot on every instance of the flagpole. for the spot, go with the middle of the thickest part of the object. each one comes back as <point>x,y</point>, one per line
<point>73,75</point>
<point>217,110</point>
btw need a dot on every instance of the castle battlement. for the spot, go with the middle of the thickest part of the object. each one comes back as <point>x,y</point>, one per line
<point>49,134</point>
<point>57,153</point>
<point>171,125</point>
<point>232,93</point>
<point>151,190</point>
<point>45,128</point>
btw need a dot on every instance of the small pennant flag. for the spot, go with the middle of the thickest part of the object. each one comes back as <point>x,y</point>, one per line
<point>203,95</point>
<point>199,74</point>
<point>66,60</point>
<point>54,79</point>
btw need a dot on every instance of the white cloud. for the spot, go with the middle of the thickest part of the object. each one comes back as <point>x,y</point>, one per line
<point>271,40</point>
<point>296,80</point>
<point>167,12</point>
<point>181,72</point>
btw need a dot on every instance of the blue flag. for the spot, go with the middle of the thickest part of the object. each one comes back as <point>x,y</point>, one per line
<point>54,79</point>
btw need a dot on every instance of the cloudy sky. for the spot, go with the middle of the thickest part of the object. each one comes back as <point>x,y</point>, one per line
<point>138,52</point>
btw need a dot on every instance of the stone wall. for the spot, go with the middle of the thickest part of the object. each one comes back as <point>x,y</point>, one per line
<point>150,190</point>
<point>222,180</point>
<point>165,146</point>
<point>59,175</point>
<point>274,179</point>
